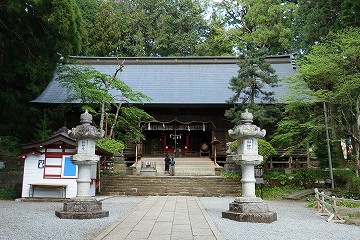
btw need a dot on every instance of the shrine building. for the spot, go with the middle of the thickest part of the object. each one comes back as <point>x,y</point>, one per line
<point>188,95</point>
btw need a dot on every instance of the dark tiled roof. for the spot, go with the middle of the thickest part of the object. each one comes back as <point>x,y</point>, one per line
<point>189,80</point>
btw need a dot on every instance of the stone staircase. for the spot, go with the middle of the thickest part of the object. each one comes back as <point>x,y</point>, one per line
<point>202,186</point>
<point>194,176</point>
<point>185,166</point>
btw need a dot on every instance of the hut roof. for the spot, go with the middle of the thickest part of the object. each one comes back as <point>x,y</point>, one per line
<point>60,139</point>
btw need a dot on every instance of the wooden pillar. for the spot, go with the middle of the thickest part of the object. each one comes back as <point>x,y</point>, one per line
<point>214,143</point>
<point>215,154</point>
<point>307,155</point>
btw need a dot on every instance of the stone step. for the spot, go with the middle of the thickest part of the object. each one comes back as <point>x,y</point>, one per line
<point>193,186</point>
<point>186,166</point>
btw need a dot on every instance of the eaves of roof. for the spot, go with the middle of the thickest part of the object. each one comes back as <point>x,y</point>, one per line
<point>171,60</point>
<point>175,80</point>
<point>60,139</point>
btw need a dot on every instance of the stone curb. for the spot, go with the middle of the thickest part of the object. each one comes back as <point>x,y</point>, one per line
<point>209,221</point>
<point>117,222</point>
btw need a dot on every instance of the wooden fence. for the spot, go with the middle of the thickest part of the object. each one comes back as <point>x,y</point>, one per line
<point>326,206</point>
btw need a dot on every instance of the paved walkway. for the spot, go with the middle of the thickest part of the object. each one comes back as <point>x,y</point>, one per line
<point>164,217</point>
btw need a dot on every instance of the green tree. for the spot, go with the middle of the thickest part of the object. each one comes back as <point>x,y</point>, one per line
<point>332,71</point>
<point>43,126</point>
<point>33,35</point>
<point>181,28</point>
<point>254,74</point>
<point>315,19</point>
<point>329,73</point>
<point>153,28</point>
<point>217,40</point>
<point>89,10</point>
<point>105,34</point>
<point>264,23</point>
<point>91,88</point>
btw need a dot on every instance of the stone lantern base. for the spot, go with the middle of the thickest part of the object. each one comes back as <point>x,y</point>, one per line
<point>256,211</point>
<point>78,208</point>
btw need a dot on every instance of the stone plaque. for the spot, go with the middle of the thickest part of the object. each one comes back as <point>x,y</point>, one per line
<point>248,145</point>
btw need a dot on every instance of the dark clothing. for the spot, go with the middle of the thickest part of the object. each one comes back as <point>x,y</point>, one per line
<point>167,164</point>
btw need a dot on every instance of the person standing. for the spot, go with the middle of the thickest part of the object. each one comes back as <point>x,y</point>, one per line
<point>167,164</point>
<point>172,167</point>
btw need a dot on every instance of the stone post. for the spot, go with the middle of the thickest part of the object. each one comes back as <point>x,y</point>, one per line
<point>119,166</point>
<point>83,206</point>
<point>248,207</point>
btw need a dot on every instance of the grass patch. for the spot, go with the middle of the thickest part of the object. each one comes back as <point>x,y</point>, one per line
<point>353,218</point>
<point>348,204</point>
<point>277,193</point>
<point>231,175</point>
<point>354,215</point>
<point>9,193</point>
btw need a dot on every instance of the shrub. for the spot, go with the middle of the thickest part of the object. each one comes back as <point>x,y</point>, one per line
<point>9,146</point>
<point>265,148</point>
<point>110,145</point>
<point>344,178</point>
<point>310,176</point>
<point>9,193</point>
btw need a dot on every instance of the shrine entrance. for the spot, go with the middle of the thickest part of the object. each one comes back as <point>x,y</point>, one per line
<point>181,139</point>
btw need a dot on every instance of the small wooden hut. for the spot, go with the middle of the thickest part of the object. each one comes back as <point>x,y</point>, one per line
<point>48,170</point>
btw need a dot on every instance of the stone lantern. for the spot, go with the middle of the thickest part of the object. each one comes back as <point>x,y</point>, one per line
<point>248,207</point>
<point>83,206</point>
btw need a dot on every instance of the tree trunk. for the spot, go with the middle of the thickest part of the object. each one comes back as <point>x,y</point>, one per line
<point>356,136</point>
<point>102,116</point>
<point>119,69</point>
<point>115,119</point>
<point>335,133</point>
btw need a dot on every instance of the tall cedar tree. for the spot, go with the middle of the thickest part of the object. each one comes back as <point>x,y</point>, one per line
<point>266,23</point>
<point>315,19</point>
<point>33,35</point>
<point>331,70</point>
<point>145,28</point>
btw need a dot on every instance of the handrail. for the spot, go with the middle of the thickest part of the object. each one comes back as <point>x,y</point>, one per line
<point>330,209</point>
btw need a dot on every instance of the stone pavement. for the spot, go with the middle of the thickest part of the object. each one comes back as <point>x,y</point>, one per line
<point>164,218</point>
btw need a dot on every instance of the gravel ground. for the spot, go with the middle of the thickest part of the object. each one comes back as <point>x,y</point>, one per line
<point>295,222</point>
<point>37,220</point>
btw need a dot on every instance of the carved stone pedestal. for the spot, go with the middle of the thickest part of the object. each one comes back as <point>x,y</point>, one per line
<point>148,169</point>
<point>148,172</point>
<point>82,209</point>
<point>250,212</point>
